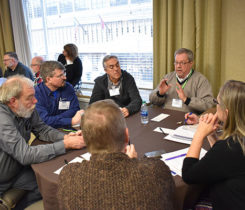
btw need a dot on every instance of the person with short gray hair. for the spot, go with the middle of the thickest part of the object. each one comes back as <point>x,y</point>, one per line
<point>57,104</point>
<point>14,66</point>
<point>118,85</point>
<point>18,119</point>
<point>183,89</point>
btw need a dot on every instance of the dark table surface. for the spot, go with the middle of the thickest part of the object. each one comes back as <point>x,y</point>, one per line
<point>144,139</point>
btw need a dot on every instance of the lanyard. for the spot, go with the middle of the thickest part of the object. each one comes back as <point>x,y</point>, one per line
<point>183,86</point>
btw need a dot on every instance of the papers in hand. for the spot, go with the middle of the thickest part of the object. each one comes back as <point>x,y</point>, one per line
<point>183,134</point>
<point>160,117</point>
<point>174,160</point>
<point>85,156</point>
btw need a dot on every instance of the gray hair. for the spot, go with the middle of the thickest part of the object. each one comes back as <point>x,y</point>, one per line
<point>13,87</point>
<point>185,51</point>
<point>48,67</point>
<point>108,57</point>
<point>12,55</point>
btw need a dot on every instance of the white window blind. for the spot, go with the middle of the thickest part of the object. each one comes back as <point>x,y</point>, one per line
<point>98,27</point>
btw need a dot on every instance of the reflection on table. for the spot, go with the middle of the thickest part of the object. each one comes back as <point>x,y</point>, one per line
<point>144,139</point>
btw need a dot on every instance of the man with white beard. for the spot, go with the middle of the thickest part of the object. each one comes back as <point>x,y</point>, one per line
<point>18,119</point>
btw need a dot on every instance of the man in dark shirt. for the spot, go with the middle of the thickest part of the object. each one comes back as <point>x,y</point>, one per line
<point>14,67</point>
<point>117,85</point>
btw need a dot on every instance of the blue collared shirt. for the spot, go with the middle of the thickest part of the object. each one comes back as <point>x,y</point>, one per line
<point>48,105</point>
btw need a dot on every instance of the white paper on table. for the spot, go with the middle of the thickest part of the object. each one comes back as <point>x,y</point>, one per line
<point>174,160</point>
<point>177,139</point>
<point>160,117</point>
<point>86,156</point>
<point>165,130</point>
<point>183,134</point>
<point>75,160</point>
<point>185,131</point>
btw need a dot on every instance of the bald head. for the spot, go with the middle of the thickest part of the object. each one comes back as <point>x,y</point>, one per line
<point>36,63</point>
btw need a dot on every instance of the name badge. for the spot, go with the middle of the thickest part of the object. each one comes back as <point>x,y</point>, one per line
<point>64,105</point>
<point>114,92</point>
<point>177,103</point>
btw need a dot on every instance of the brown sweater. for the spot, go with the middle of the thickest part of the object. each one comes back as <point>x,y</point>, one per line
<point>114,181</point>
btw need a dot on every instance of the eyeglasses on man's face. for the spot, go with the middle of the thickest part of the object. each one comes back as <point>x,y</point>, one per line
<point>181,63</point>
<point>61,75</point>
<point>32,65</point>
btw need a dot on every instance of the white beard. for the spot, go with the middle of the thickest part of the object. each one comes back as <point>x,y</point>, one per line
<point>24,112</point>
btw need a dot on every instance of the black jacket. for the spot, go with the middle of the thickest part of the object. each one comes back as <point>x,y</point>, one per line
<point>129,93</point>
<point>73,71</point>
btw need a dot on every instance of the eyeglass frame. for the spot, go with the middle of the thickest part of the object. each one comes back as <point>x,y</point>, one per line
<point>181,63</point>
<point>35,65</point>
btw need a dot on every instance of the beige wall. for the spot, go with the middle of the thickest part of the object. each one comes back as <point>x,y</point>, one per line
<point>233,40</point>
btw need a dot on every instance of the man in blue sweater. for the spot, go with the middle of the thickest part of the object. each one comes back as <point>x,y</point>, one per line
<point>57,104</point>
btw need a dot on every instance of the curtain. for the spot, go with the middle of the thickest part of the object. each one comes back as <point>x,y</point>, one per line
<point>6,34</point>
<point>192,24</point>
<point>20,32</point>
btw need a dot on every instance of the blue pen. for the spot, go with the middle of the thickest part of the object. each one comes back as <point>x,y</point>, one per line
<point>187,117</point>
<point>177,156</point>
<point>172,172</point>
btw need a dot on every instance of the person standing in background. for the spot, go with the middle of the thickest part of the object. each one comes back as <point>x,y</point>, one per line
<point>72,63</point>
<point>35,66</point>
<point>11,62</point>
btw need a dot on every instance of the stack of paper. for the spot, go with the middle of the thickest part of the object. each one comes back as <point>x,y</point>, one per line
<point>183,134</point>
<point>174,160</point>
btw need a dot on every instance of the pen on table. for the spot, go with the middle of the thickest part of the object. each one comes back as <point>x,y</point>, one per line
<point>177,156</point>
<point>187,117</point>
<point>66,162</point>
<point>162,131</point>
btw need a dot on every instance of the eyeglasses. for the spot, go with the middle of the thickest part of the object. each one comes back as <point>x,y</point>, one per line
<point>181,63</point>
<point>35,65</point>
<point>113,66</point>
<point>61,75</point>
<point>215,101</point>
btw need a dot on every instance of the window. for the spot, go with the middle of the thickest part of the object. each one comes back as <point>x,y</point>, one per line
<point>98,27</point>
